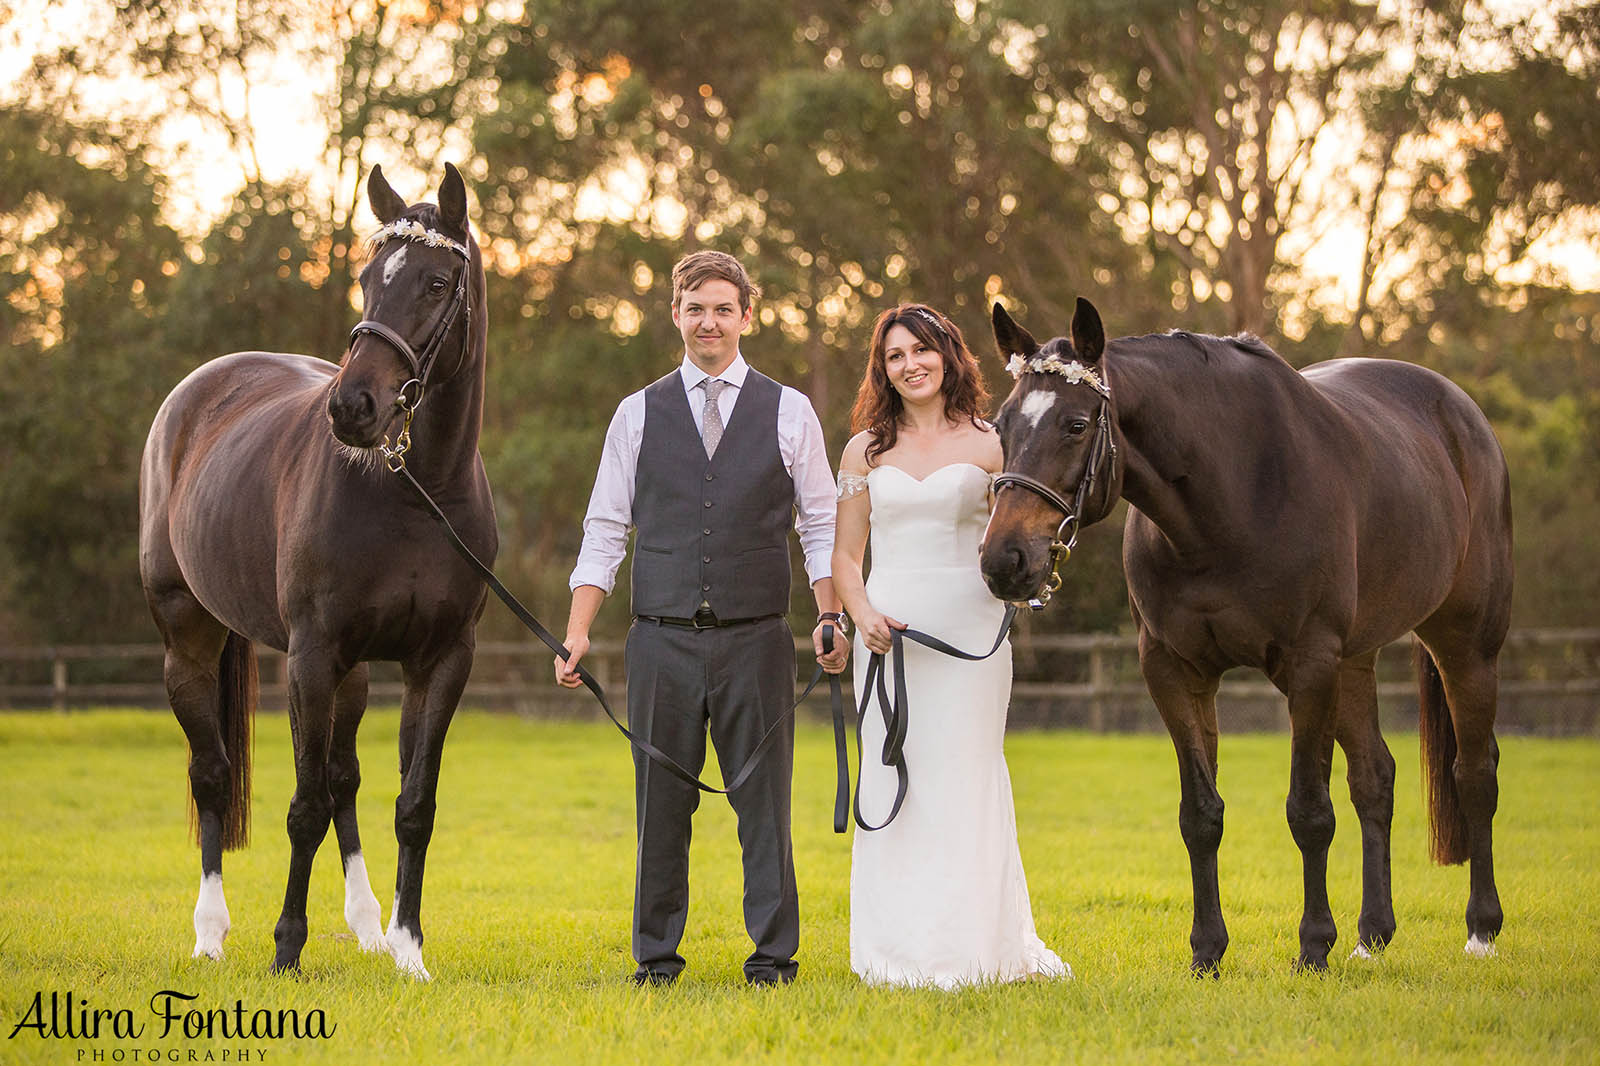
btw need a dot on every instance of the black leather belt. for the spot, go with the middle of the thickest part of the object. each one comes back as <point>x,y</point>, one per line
<point>703,620</point>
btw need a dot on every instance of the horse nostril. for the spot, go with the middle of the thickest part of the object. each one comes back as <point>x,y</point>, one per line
<point>1019,561</point>
<point>351,406</point>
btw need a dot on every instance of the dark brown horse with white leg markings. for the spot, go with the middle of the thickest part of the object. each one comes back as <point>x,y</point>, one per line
<point>1291,522</point>
<point>262,523</point>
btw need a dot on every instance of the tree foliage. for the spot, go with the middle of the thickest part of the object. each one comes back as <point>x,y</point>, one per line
<point>1180,162</point>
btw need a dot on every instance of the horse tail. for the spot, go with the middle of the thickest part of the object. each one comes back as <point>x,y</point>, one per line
<point>238,684</point>
<point>1446,823</point>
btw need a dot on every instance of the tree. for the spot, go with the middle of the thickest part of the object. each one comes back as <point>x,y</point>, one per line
<point>89,265</point>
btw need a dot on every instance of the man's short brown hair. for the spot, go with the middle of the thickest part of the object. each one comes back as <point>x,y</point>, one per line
<point>697,268</point>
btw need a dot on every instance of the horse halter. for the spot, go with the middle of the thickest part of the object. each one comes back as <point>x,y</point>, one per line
<point>1102,452</point>
<point>407,229</point>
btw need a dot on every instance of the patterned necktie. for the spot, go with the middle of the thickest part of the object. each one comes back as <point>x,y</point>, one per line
<point>711,417</point>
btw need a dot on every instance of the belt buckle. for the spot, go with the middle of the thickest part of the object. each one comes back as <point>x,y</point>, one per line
<point>704,619</point>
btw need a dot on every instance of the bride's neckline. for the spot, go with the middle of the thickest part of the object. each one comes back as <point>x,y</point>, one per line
<point>931,473</point>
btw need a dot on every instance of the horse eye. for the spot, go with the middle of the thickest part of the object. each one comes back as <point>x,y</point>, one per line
<point>1077,427</point>
<point>436,285</point>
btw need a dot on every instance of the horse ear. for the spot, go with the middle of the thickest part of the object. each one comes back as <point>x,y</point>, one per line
<point>1088,335</point>
<point>386,203</point>
<point>1012,338</point>
<point>453,199</point>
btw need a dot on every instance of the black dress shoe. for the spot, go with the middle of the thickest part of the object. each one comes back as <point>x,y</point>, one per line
<point>654,977</point>
<point>767,980</point>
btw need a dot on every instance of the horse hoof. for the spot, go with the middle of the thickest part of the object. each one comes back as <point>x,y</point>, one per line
<point>1363,952</point>
<point>1311,964</point>
<point>407,952</point>
<point>1480,947</point>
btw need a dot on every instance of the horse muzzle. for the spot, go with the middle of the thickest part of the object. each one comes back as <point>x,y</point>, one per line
<point>1015,568</point>
<point>357,417</point>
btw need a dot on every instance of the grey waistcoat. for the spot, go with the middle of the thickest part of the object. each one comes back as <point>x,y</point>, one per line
<point>713,531</point>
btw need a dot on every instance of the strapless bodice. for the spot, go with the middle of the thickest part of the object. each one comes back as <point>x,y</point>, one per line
<point>929,524</point>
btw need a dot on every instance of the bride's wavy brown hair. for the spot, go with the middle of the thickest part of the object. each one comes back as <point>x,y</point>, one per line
<point>878,407</point>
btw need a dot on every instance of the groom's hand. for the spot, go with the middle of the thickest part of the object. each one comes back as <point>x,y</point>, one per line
<point>831,661</point>
<point>567,670</point>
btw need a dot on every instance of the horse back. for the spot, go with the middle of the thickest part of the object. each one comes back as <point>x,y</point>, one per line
<point>1418,421</point>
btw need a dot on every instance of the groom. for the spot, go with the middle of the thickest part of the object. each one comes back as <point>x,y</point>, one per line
<point>712,465</point>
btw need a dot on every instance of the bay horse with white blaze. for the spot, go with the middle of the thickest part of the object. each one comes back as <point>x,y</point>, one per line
<point>260,523</point>
<point>1294,523</point>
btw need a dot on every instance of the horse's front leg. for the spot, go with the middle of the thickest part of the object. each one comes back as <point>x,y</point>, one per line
<point>1312,684</point>
<point>432,691</point>
<point>313,679</point>
<point>361,910</point>
<point>1371,780</point>
<point>1187,702</point>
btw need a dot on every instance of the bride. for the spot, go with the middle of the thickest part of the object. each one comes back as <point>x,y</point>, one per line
<point>938,897</point>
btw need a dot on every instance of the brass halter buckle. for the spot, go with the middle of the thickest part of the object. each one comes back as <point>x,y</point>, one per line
<point>1060,552</point>
<point>395,456</point>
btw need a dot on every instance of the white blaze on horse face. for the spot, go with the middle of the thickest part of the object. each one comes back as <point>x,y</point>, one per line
<point>361,910</point>
<point>1035,404</point>
<point>406,948</point>
<point>210,918</point>
<point>392,265</point>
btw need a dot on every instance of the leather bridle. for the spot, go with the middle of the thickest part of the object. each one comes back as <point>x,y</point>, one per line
<point>421,365</point>
<point>1102,453</point>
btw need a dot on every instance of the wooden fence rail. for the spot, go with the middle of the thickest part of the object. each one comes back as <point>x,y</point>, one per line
<point>1550,682</point>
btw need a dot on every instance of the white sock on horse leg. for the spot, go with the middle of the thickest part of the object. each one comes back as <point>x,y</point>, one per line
<point>361,910</point>
<point>210,917</point>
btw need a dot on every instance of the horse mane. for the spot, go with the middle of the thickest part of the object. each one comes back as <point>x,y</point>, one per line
<point>1206,344</point>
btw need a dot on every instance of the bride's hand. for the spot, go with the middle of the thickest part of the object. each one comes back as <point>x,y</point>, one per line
<point>875,629</point>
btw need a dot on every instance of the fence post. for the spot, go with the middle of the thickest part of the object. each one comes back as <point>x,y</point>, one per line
<point>1097,686</point>
<point>58,681</point>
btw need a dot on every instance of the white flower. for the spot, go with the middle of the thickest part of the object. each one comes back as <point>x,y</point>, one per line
<point>1075,372</point>
<point>409,229</point>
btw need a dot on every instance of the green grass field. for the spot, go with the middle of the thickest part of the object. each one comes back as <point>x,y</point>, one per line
<point>529,893</point>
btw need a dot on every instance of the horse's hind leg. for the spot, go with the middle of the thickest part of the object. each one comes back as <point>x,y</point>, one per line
<point>361,910</point>
<point>1471,686</point>
<point>1187,702</point>
<point>1371,779</point>
<point>194,645</point>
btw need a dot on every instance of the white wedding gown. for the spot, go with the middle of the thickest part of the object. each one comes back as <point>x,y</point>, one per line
<point>939,897</point>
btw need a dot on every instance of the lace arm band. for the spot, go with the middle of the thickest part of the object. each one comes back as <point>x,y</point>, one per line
<point>851,484</point>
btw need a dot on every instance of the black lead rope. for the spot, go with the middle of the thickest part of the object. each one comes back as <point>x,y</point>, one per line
<point>896,717</point>
<point>895,714</point>
<point>654,753</point>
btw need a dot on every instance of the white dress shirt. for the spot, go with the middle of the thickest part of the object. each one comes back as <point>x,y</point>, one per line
<point>800,445</point>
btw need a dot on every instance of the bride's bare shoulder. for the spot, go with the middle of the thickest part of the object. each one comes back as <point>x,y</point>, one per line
<point>854,457</point>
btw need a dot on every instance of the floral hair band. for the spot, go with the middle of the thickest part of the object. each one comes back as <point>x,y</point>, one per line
<point>1075,372</point>
<point>409,229</point>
